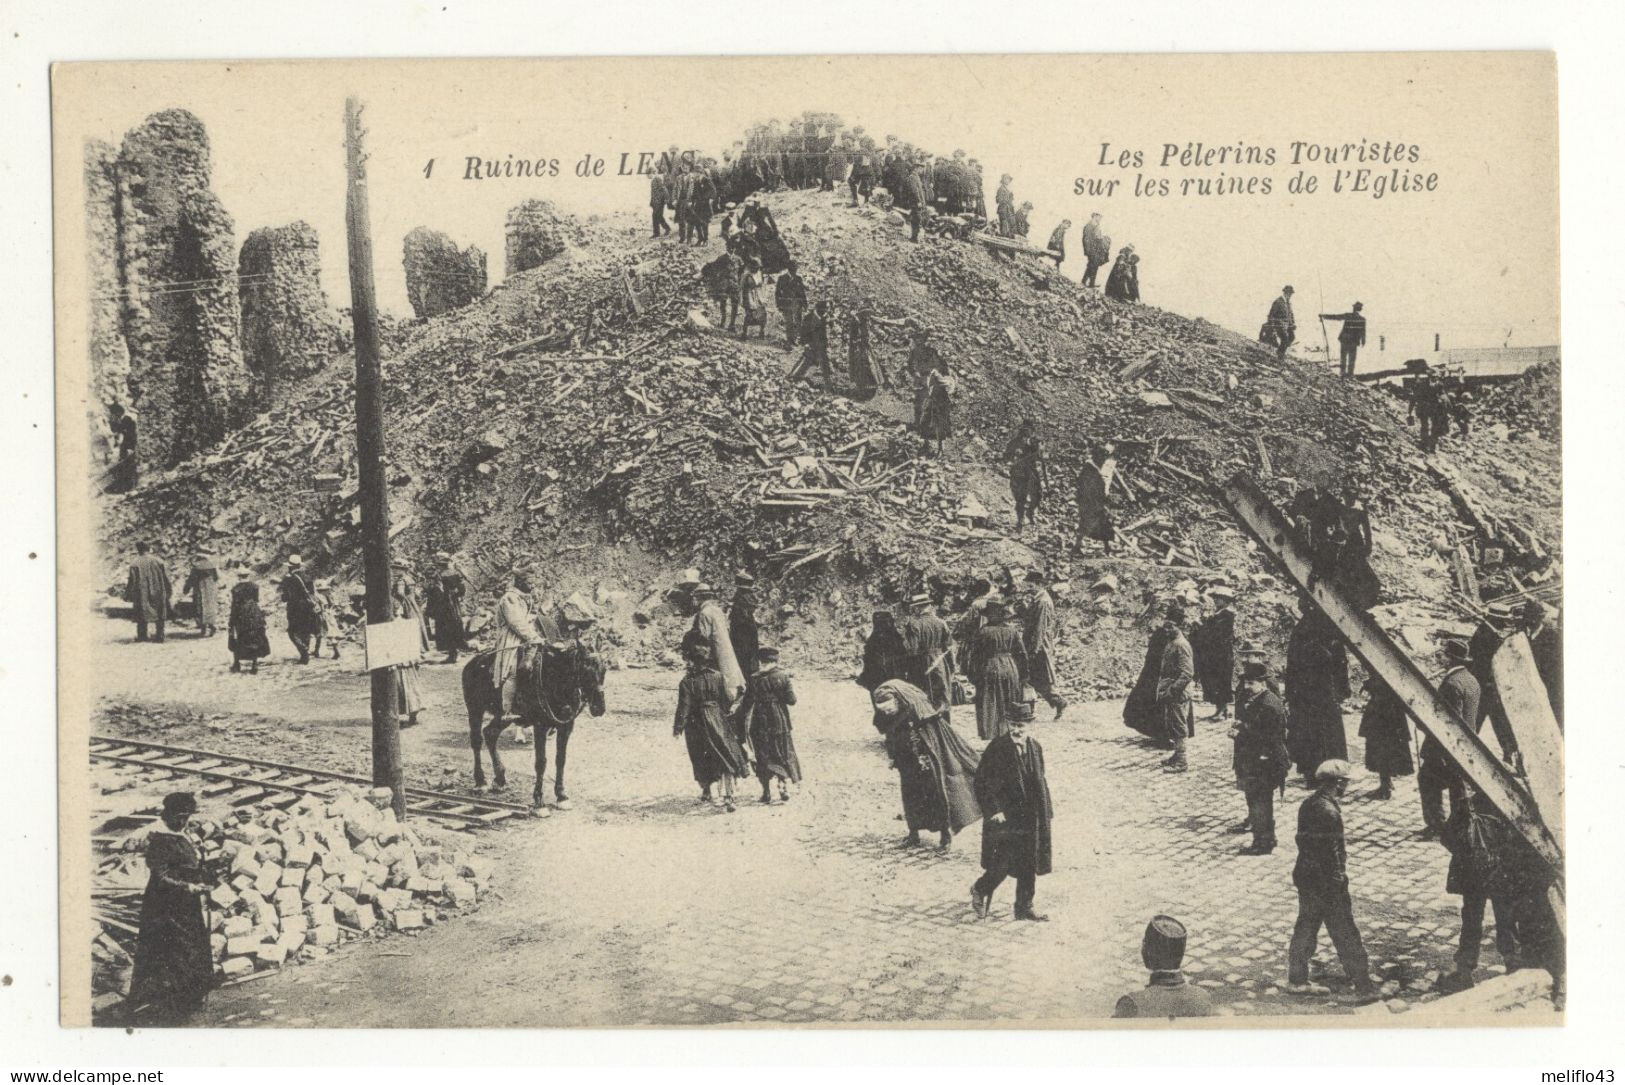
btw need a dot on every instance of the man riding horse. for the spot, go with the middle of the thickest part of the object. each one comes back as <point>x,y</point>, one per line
<point>536,676</point>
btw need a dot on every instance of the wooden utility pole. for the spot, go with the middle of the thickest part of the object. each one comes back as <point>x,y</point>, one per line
<point>369,447</point>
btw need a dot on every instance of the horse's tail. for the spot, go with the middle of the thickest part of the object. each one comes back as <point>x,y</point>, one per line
<point>477,680</point>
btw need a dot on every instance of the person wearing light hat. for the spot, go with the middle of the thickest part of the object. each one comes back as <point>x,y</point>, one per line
<point>1260,755</point>
<point>765,712</point>
<point>299,595</point>
<point>1321,878</point>
<point>1351,338</point>
<point>446,592</point>
<point>744,633</point>
<point>203,585</point>
<point>1213,640</point>
<point>1168,994</point>
<point>929,646</point>
<point>711,626</point>
<point>1459,691</point>
<point>174,968</point>
<point>1016,813</point>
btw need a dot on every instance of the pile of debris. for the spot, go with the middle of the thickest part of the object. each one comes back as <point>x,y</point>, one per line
<point>1529,405</point>
<point>440,276</point>
<point>294,883</point>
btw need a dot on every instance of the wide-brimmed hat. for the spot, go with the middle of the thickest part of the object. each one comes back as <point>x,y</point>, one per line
<point>1176,611</point>
<point>920,599</point>
<point>180,802</point>
<point>295,560</point>
<point>1457,651</point>
<point>1249,648</point>
<point>1254,672</point>
<point>767,652</point>
<point>1018,712</point>
<point>703,590</point>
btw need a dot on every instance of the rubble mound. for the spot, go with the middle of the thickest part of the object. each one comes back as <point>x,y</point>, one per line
<point>589,417</point>
<point>536,233</point>
<point>440,277</point>
<point>1532,403</point>
<point>289,329</point>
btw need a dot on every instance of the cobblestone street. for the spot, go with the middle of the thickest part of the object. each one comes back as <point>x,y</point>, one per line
<point>641,906</point>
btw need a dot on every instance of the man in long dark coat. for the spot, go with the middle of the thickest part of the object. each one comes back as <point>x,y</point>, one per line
<point>1016,811</point>
<point>1175,670</point>
<point>1351,338</point>
<point>1097,249</point>
<point>790,296</point>
<point>743,632</point>
<point>1214,640</point>
<point>659,196</point>
<point>447,589</point>
<point>1387,732</point>
<point>1316,679</point>
<point>1028,471</point>
<point>930,651</point>
<point>1282,327</point>
<point>815,346</point>
<point>1459,690</point>
<point>147,590</point>
<point>304,616</point>
<point>1038,635</point>
<point>1261,757</point>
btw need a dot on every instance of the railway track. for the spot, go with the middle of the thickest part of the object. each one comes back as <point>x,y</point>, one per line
<point>244,780</point>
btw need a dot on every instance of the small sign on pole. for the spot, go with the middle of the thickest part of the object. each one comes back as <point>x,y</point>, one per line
<point>394,643</point>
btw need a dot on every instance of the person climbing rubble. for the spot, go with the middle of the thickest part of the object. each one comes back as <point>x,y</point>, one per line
<point>1280,327</point>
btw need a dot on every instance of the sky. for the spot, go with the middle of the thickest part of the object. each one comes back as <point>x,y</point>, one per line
<point>1473,261</point>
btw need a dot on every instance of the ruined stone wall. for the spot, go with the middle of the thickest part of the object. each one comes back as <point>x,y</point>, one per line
<point>181,314</point>
<point>535,234</point>
<point>440,276</point>
<point>289,329</point>
<point>109,356</point>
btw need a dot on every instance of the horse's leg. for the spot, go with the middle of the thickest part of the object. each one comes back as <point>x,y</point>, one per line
<point>558,778</point>
<point>493,730</point>
<point>476,716</point>
<point>541,767</point>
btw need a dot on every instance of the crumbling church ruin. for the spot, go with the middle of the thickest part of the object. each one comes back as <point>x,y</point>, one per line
<point>289,329</point>
<point>441,277</point>
<point>535,234</point>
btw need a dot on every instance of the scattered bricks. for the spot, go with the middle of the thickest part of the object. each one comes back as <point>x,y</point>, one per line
<point>217,946</point>
<point>289,944</point>
<point>313,876</point>
<point>295,924</point>
<point>320,915</point>
<point>377,873</point>
<point>394,900</point>
<point>269,877</point>
<point>342,901</point>
<point>222,896</point>
<point>368,892</point>
<point>476,867</point>
<point>461,892</point>
<point>244,882</point>
<point>245,863</point>
<point>353,914</point>
<point>381,798</point>
<point>406,919</point>
<point>272,953</point>
<point>236,925</point>
<point>326,935</point>
<point>366,848</point>
<point>292,876</point>
<point>419,884</point>
<point>353,879</point>
<point>286,909</point>
<point>233,967</point>
<point>265,915</point>
<point>300,855</point>
<point>389,830</point>
<point>315,894</point>
<point>244,943</point>
<point>271,851</point>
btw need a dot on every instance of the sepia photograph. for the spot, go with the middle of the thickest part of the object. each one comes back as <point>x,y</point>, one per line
<point>973,541</point>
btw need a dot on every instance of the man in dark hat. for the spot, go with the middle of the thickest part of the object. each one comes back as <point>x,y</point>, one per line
<point>1094,517</point>
<point>1097,249</point>
<point>929,648</point>
<point>884,657</point>
<point>1351,338</point>
<point>1016,813</point>
<point>1168,994</point>
<point>815,346</point>
<point>1261,759</point>
<point>743,631</point>
<point>1321,878</point>
<point>1175,669</point>
<point>1459,690</point>
<point>147,590</point>
<point>1214,641</point>
<point>1038,635</point>
<point>790,295</point>
<point>1280,326</point>
<point>303,613</point>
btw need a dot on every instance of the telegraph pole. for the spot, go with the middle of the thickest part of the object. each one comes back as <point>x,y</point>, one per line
<point>369,447</point>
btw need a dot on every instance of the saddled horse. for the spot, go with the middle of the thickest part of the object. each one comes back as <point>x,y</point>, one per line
<point>555,682</point>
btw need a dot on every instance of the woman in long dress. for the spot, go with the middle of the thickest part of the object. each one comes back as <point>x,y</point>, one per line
<point>766,713</point>
<point>703,705</point>
<point>997,663</point>
<point>1387,733</point>
<point>752,298</point>
<point>936,769</point>
<point>937,416</point>
<point>173,965</point>
<point>245,627</point>
<point>408,688</point>
<point>203,585</point>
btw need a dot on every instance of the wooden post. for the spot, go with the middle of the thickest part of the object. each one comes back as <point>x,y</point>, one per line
<point>369,441</point>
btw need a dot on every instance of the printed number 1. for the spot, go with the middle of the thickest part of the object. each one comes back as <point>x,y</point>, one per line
<point>428,169</point>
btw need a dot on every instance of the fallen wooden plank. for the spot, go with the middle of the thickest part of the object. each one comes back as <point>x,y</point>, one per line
<point>1534,725</point>
<point>566,390</point>
<point>1266,468</point>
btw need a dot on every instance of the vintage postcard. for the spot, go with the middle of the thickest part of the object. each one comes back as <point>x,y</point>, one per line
<point>1065,541</point>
